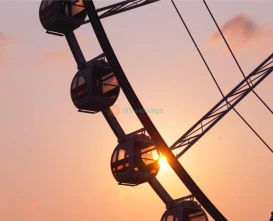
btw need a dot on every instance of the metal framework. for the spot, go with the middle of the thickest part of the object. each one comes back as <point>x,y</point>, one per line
<point>193,134</point>
<point>113,122</point>
<point>214,79</point>
<point>143,117</point>
<point>119,7</point>
<point>122,7</point>
<point>224,106</point>
<point>234,58</point>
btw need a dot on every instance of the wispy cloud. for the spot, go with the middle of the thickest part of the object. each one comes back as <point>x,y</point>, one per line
<point>5,40</point>
<point>242,31</point>
<point>5,43</point>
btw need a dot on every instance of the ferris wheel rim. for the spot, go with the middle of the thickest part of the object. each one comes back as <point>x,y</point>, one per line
<point>134,101</point>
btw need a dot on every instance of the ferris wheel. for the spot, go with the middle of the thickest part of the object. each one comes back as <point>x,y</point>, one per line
<point>96,86</point>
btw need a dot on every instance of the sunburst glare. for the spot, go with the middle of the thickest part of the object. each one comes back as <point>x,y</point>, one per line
<point>163,162</point>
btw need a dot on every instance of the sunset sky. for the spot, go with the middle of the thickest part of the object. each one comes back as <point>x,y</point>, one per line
<point>55,162</point>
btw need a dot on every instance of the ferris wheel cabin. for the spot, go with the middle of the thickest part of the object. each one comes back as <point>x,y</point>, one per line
<point>62,16</point>
<point>186,210</point>
<point>135,160</point>
<point>95,87</point>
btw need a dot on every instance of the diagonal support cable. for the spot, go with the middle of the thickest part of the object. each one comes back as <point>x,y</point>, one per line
<point>221,108</point>
<point>225,100</point>
<point>236,61</point>
<point>194,42</point>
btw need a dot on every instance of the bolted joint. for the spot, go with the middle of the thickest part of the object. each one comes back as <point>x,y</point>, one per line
<point>81,66</point>
<point>170,205</point>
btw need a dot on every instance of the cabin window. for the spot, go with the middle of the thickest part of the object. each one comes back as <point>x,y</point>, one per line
<point>149,155</point>
<point>109,85</point>
<point>104,83</point>
<point>120,161</point>
<point>47,10</point>
<point>79,88</point>
<point>77,8</point>
<point>145,157</point>
<point>171,218</point>
<point>171,215</point>
<point>194,215</point>
<point>72,10</point>
<point>121,154</point>
<point>114,157</point>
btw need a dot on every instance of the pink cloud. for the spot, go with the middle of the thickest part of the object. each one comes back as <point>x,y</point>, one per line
<point>242,31</point>
<point>5,43</point>
<point>5,40</point>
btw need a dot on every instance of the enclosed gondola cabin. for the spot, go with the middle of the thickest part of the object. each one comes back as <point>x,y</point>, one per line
<point>95,87</point>
<point>62,16</point>
<point>135,160</point>
<point>186,210</point>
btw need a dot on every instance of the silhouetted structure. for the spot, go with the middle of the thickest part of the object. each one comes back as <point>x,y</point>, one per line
<point>95,87</point>
<point>185,210</point>
<point>61,16</point>
<point>135,160</point>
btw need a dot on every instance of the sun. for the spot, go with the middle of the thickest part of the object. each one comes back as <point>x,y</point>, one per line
<point>163,162</point>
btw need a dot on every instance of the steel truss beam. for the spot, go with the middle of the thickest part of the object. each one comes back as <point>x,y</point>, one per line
<point>224,106</point>
<point>122,7</point>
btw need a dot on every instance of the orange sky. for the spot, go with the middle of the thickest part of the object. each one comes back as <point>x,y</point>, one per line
<point>54,161</point>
